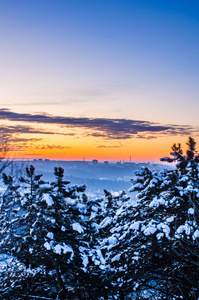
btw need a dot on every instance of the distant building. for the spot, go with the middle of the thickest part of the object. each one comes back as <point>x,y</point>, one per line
<point>106,162</point>
<point>46,159</point>
<point>129,163</point>
<point>95,161</point>
<point>40,159</point>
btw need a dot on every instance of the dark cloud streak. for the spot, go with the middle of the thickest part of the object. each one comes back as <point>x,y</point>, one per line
<point>100,127</point>
<point>22,130</point>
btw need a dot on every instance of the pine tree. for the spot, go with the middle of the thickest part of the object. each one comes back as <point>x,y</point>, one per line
<point>9,220</point>
<point>156,238</point>
<point>106,243</point>
<point>48,228</point>
<point>116,247</point>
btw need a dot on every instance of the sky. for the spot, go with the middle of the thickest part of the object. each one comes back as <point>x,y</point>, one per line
<point>98,79</point>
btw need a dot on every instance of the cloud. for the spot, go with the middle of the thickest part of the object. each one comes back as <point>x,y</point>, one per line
<point>103,146</point>
<point>18,129</point>
<point>24,140</point>
<point>22,144</point>
<point>13,132</point>
<point>76,96</point>
<point>32,154</point>
<point>101,127</point>
<point>50,147</point>
<point>33,103</point>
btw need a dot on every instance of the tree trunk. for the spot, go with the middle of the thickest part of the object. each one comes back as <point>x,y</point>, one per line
<point>121,295</point>
<point>62,293</point>
<point>105,295</point>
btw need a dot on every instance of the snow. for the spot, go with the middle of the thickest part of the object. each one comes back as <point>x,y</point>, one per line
<point>183,229</point>
<point>107,221</point>
<point>77,227</point>
<point>124,227</point>
<point>116,229</point>
<point>63,228</point>
<point>136,186</point>
<point>5,259</point>
<point>47,245</point>
<point>123,235</point>
<point>135,225</point>
<point>85,260</point>
<point>165,228</point>
<point>48,199</point>
<point>159,235</point>
<point>184,179</point>
<point>70,201</point>
<point>111,241</point>
<point>23,201</point>
<point>157,202</point>
<point>50,235</point>
<point>196,234</point>
<point>135,257</point>
<point>170,219</point>
<point>119,211</point>
<point>59,249</point>
<point>154,181</point>
<point>98,258</point>
<point>165,183</point>
<point>95,208</point>
<point>116,258</point>
<point>149,230</point>
<point>2,190</point>
<point>115,194</point>
<point>99,253</point>
<point>191,211</point>
<point>81,207</point>
<point>84,257</point>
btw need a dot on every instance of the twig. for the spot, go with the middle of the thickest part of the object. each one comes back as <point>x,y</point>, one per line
<point>37,297</point>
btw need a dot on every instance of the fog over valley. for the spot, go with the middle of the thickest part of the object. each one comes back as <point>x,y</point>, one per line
<point>98,176</point>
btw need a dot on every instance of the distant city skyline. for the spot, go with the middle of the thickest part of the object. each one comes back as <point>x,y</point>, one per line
<point>101,79</point>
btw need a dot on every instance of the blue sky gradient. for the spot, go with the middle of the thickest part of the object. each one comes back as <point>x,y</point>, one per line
<point>135,60</point>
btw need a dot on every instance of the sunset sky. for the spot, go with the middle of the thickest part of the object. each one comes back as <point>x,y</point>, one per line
<point>98,79</point>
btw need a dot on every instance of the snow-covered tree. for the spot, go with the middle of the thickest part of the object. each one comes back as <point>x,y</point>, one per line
<point>19,283</point>
<point>117,247</point>
<point>107,243</point>
<point>156,249</point>
<point>46,226</point>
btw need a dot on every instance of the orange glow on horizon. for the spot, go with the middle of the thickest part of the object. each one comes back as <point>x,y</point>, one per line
<point>63,143</point>
<point>134,150</point>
